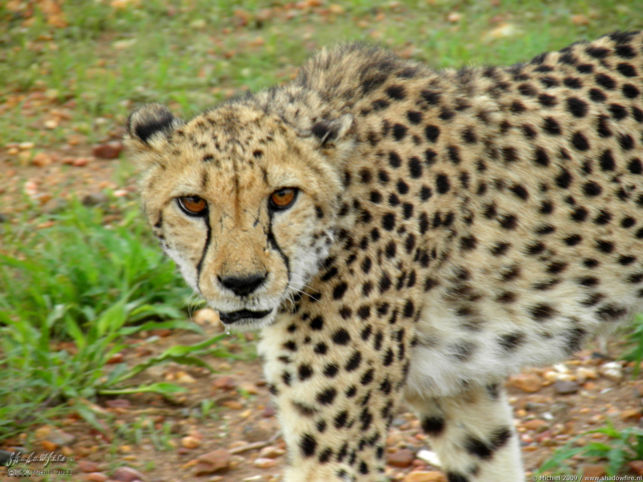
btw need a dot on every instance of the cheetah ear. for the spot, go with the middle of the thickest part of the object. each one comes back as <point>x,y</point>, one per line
<point>332,132</point>
<point>149,124</point>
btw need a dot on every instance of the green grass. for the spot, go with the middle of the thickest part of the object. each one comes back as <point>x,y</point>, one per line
<point>80,267</point>
<point>621,447</point>
<point>192,54</point>
<point>71,295</point>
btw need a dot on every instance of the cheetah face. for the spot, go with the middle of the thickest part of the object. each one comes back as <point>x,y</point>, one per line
<point>241,202</point>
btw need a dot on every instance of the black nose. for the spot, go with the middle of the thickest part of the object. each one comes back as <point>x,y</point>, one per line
<point>243,285</point>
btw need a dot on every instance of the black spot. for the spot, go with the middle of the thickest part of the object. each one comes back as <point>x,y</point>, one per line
<point>456,477</point>
<point>396,92</point>
<point>626,69</point>
<point>603,217</point>
<point>591,189</point>
<point>564,179</point>
<point>433,425</point>
<point>304,372</point>
<point>339,290</point>
<point>506,297</point>
<point>542,312</point>
<point>579,214</point>
<point>577,107</point>
<point>541,157</point>
<point>399,131</point>
<point>551,126</point>
<point>330,370</point>
<point>414,116</point>
<point>597,52</point>
<point>307,444</point>
<point>402,187</point>
<point>628,222</point>
<point>630,91</point>
<point>327,396</point>
<point>610,312</point>
<point>573,240</point>
<point>500,248</point>
<point>508,221</point>
<point>618,111</point>
<point>605,81</point>
<point>353,362</point>
<point>341,337</point>
<point>431,96</point>
<point>477,447</point>
<point>519,191</point>
<point>388,221</point>
<point>547,100</point>
<point>442,183</point>
<point>511,341</point>
<point>579,141</point>
<point>432,133</point>
<point>626,142</point>
<point>573,82</point>
<point>604,246</point>
<point>606,161</point>
<point>468,243</point>
<point>321,348</point>
<point>367,377</point>
<point>469,135</point>
<point>597,95</point>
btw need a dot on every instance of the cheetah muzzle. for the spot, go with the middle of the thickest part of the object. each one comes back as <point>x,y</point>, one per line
<point>402,233</point>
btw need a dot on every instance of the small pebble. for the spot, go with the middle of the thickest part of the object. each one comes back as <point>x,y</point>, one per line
<point>564,387</point>
<point>264,463</point>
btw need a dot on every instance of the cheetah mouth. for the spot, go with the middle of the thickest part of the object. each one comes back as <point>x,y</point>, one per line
<point>234,316</point>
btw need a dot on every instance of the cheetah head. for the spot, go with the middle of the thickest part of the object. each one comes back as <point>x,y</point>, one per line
<point>242,201</point>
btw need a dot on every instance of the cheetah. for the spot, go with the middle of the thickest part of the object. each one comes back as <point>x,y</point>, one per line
<point>399,233</point>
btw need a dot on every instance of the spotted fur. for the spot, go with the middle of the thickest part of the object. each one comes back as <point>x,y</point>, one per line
<point>449,228</point>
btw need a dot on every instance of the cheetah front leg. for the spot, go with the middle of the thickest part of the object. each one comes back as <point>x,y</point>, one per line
<point>472,433</point>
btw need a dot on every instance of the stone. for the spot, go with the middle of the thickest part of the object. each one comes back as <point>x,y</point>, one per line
<point>211,462</point>
<point>271,452</point>
<point>565,387</point>
<point>190,442</point>
<point>586,373</point>
<point>636,466</point>
<point>593,471</point>
<point>264,463</point>
<point>88,466</point>
<point>95,477</point>
<point>127,474</point>
<point>109,150</point>
<point>400,458</point>
<point>535,424</point>
<point>225,383</point>
<point>207,316</point>
<point>632,414</point>
<point>612,371</point>
<point>258,431</point>
<point>425,476</point>
<point>527,382</point>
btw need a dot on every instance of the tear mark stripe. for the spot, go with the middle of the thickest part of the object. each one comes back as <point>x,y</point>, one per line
<point>273,242</point>
<point>208,237</point>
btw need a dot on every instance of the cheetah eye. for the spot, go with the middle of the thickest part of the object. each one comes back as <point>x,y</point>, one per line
<point>192,205</point>
<point>282,198</point>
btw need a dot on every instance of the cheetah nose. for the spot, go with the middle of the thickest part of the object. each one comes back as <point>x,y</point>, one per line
<point>243,285</point>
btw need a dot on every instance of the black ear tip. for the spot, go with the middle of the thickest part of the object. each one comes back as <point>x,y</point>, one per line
<point>330,130</point>
<point>148,120</point>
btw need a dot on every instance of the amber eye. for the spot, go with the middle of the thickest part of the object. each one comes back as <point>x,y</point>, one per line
<point>283,198</point>
<point>192,205</point>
